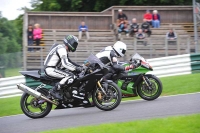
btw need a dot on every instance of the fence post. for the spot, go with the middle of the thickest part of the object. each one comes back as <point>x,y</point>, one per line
<point>166,47</point>
<point>188,44</point>
<point>151,48</point>
<point>25,25</point>
<point>178,46</point>
<point>41,58</point>
<point>134,45</point>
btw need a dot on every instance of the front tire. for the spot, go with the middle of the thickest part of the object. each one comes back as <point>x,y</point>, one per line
<point>147,94</point>
<point>33,107</point>
<point>107,102</point>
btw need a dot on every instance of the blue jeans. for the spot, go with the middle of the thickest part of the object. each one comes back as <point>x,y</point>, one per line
<point>122,29</point>
<point>156,23</point>
<point>30,43</point>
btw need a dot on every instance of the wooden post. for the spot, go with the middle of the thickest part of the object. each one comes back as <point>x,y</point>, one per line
<point>113,16</point>
<point>25,25</point>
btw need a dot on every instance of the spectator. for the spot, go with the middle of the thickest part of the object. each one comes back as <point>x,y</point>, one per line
<point>156,19</point>
<point>171,35</point>
<point>121,15</point>
<point>83,30</point>
<point>141,36</point>
<point>148,17</point>
<point>146,27</point>
<point>30,37</point>
<point>123,27</point>
<point>133,27</point>
<point>37,34</point>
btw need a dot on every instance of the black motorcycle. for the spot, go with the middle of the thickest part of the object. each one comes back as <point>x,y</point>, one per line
<point>105,95</point>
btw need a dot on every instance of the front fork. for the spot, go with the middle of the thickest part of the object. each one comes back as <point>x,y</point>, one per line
<point>147,82</point>
<point>102,89</point>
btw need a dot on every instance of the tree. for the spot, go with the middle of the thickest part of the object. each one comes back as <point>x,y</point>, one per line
<point>96,5</point>
<point>9,37</point>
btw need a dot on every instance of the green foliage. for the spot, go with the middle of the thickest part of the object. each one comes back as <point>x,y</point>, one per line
<point>96,5</point>
<point>9,43</point>
<point>9,39</point>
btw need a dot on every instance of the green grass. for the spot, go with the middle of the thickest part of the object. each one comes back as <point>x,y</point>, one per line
<point>181,84</point>
<point>10,106</point>
<point>171,86</point>
<point>10,72</point>
<point>177,124</point>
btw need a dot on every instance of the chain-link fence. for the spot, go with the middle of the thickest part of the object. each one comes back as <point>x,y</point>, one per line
<point>10,60</point>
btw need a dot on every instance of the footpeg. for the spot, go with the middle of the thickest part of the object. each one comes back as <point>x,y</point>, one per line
<point>77,96</point>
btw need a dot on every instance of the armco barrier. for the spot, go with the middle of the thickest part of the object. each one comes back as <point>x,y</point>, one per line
<point>165,66</point>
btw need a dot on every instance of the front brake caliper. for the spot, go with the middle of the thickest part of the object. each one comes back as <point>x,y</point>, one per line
<point>99,96</point>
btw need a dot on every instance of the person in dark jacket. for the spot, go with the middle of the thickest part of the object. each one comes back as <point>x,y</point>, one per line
<point>146,27</point>
<point>30,37</point>
<point>121,15</point>
<point>171,35</point>
<point>133,27</point>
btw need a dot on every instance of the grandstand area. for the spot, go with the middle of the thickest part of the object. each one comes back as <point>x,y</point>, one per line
<point>103,33</point>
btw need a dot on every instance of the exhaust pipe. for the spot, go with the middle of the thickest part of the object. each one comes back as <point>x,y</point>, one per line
<point>34,93</point>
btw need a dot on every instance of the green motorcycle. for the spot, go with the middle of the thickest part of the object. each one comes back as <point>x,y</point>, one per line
<point>137,82</point>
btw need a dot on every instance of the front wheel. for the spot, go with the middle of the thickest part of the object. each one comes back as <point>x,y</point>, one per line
<point>33,107</point>
<point>152,92</point>
<point>109,101</point>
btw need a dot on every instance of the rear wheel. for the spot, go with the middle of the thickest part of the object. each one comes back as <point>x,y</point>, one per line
<point>109,101</point>
<point>152,92</point>
<point>33,107</point>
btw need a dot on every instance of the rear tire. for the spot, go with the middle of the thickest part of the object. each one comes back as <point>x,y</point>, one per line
<point>143,91</point>
<point>109,102</point>
<point>24,103</point>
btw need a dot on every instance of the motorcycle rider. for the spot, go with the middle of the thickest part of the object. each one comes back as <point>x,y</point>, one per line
<point>109,56</point>
<point>57,60</point>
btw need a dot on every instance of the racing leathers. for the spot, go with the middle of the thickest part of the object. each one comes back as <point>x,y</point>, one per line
<point>58,65</point>
<point>108,56</point>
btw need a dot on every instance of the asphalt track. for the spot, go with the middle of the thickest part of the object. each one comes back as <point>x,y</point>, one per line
<point>126,111</point>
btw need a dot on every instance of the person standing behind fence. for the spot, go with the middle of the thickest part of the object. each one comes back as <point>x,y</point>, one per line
<point>146,27</point>
<point>37,34</point>
<point>141,36</point>
<point>171,35</point>
<point>30,37</point>
<point>156,19</point>
<point>83,29</point>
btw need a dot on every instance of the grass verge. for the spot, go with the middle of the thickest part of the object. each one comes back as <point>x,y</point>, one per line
<point>177,124</point>
<point>10,72</point>
<point>171,86</point>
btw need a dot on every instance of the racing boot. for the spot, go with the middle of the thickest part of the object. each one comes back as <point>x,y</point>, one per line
<point>55,91</point>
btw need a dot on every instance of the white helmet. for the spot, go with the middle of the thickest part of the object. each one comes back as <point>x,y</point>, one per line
<point>120,48</point>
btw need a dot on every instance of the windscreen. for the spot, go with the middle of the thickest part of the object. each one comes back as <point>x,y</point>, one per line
<point>137,57</point>
<point>92,59</point>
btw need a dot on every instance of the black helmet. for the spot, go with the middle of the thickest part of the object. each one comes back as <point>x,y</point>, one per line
<point>71,42</point>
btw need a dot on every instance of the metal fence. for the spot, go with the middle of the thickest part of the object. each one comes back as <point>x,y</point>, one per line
<point>10,60</point>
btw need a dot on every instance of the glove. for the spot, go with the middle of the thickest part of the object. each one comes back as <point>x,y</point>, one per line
<point>129,67</point>
<point>79,69</point>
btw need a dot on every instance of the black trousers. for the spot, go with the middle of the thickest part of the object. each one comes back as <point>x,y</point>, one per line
<point>37,42</point>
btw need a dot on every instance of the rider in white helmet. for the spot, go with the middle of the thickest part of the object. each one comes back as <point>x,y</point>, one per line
<point>109,57</point>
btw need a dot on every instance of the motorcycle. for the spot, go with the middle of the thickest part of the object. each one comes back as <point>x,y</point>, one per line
<point>105,95</point>
<point>137,82</point>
